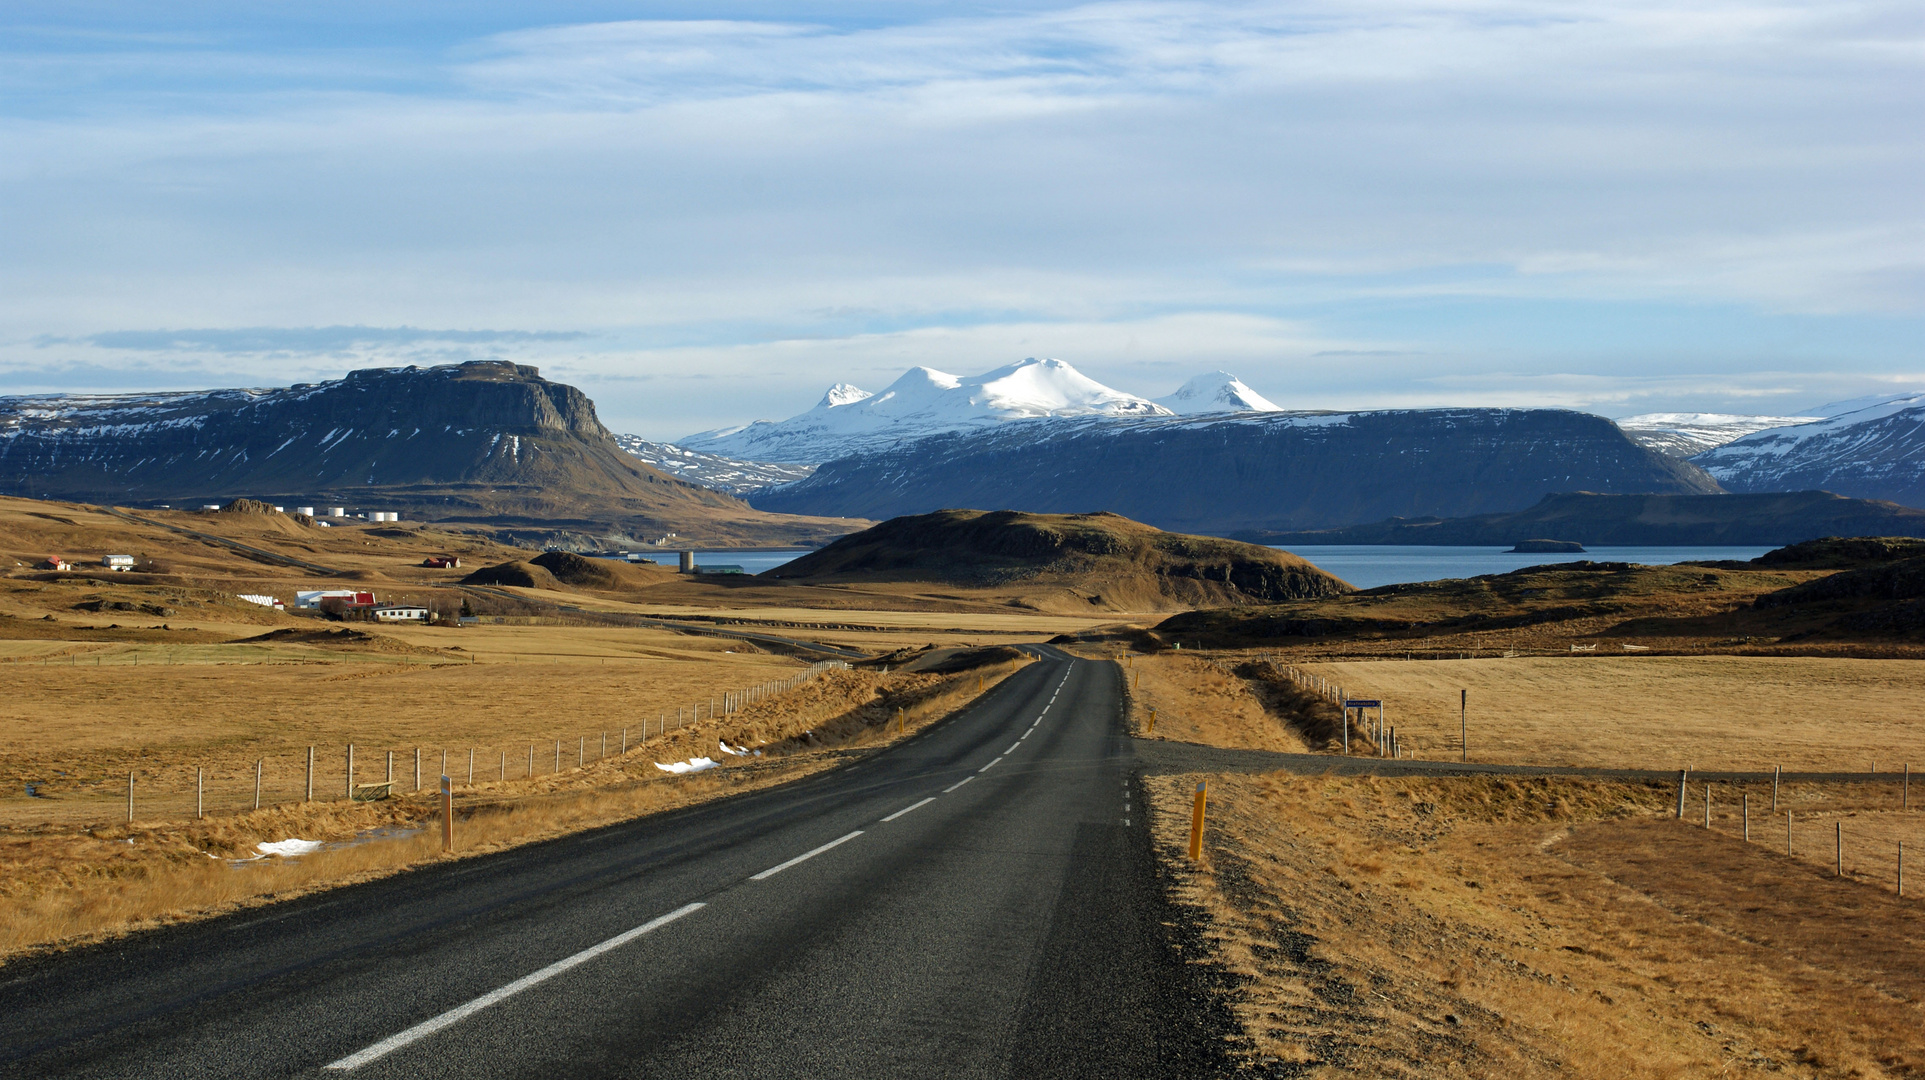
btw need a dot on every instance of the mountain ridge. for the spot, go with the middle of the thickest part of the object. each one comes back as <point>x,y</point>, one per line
<point>483,441</point>
<point>1221,473</point>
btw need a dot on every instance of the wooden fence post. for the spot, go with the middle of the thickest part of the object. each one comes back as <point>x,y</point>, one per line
<point>1777,771</point>
<point>1747,813</point>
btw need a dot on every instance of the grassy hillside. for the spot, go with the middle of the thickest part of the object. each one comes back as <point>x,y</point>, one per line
<point>1114,559</point>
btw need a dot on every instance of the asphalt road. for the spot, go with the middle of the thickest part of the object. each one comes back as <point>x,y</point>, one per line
<point>978,901</point>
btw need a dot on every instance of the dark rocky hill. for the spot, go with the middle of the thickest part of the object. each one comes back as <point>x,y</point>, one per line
<point>1119,557</point>
<point>1593,519</point>
<point>1268,471</point>
<point>485,441</point>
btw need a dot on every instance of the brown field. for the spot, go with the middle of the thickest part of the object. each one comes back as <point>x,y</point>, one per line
<point>1197,700</point>
<point>63,884</point>
<point>1654,712</point>
<point>1537,928</point>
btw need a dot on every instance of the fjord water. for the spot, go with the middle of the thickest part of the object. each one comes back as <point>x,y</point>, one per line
<point>751,562</point>
<point>1363,565</point>
<point>1369,565</point>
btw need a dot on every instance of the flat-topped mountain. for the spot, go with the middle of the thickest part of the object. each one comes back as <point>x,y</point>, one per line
<point>482,441</point>
<point>1122,561</point>
<point>1228,473</point>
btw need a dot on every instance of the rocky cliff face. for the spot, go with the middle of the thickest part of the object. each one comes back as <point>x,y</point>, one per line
<point>1224,474</point>
<point>475,441</point>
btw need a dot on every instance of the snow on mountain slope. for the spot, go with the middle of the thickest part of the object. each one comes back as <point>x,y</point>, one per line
<point>1219,391</point>
<point>731,475</point>
<point>1223,472</point>
<point>1875,451</point>
<point>922,402</point>
<point>1682,435</point>
<point>1889,402</point>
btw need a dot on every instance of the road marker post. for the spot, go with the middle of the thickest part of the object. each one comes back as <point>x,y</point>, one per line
<point>1152,730</point>
<point>350,792</point>
<point>447,815</point>
<point>1682,774</point>
<point>130,795</point>
<point>901,721</point>
<point>1838,852</point>
<point>197,792</point>
<point>258,762</point>
<point>1196,820</point>
<point>1463,725</point>
<point>310,775</point>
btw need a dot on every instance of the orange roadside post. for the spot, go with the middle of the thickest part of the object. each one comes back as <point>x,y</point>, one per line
<point>1196,821</point>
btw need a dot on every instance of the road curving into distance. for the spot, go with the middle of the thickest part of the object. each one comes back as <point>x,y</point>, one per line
<point>980,900</point>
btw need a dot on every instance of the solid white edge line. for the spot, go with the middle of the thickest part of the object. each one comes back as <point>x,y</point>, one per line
<point>804,857</point>
<point>957,784</point>
<point>462,1012</point>
<point>906,809</point>
<point>985,768</point>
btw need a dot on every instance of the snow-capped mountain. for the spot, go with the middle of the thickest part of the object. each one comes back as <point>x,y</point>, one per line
<point>922,402</point>
<point>1682,435</point>
<point>728,474</point>
<point>1227,472</point>
<point>1219,391</point>
<point>1868,448</point>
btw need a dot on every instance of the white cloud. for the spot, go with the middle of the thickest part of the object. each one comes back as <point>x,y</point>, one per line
<point>1134,182</point>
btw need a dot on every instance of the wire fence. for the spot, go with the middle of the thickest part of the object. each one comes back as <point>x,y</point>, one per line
<point>350,771</point>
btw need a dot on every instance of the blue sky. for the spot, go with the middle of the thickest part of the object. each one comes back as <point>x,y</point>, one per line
<point>704,214</point>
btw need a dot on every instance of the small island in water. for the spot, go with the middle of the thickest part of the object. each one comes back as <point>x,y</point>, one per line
<point>1546,547</point>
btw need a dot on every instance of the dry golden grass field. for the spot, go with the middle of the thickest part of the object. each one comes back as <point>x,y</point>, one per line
<point>1655,712</point>
<point>1511,928</point>
<point>63,884</point>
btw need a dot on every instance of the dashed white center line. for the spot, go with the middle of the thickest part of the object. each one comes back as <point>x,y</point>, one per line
<point>804,857</point>
<point>985,768</point>
<point>957,784</point>
<point>462,1012</point>
<point>1013,747</point>
<point>906,809</point>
